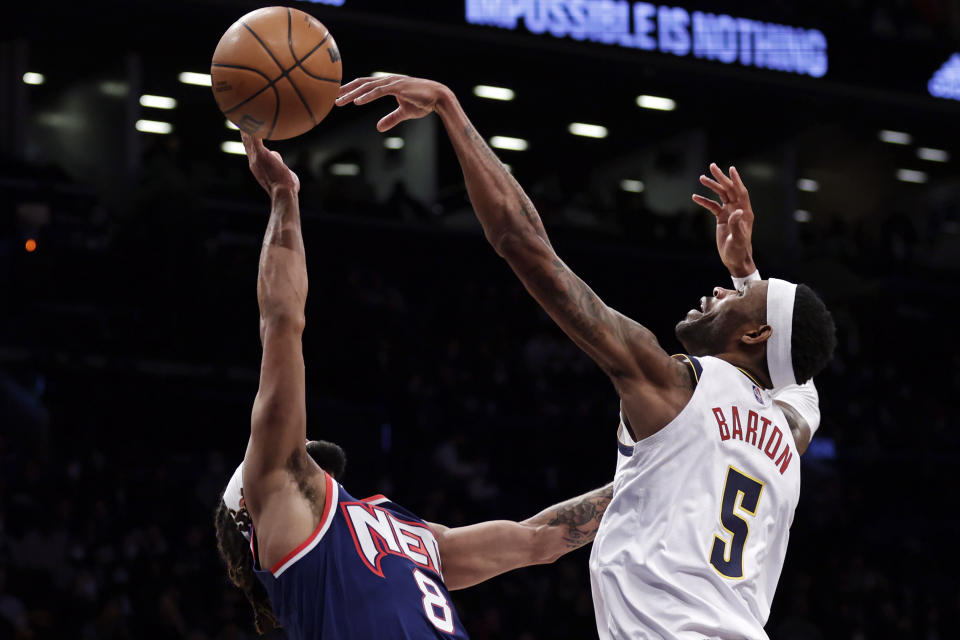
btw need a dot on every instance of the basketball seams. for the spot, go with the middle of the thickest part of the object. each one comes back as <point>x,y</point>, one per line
<point>265,48</point>
<point>312,51</point>
<point>296,64</point>
<point>316,77</point>
<point>281,94</point>
<point>269,85</point>
<point>276,110</point>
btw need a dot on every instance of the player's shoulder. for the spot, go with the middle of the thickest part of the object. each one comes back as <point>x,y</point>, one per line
<point>379,502</point>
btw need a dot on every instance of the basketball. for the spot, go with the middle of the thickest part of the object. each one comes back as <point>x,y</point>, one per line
<point>276,72</point>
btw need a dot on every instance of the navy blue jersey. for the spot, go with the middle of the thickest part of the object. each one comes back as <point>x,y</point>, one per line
<point>371,569</point>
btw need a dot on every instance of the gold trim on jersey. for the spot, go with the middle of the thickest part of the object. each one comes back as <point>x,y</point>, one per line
<point>754,380</point>
<point>737,505</point>
<point>686,358</point>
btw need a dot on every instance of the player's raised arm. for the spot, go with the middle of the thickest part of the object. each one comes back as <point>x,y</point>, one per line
<point>734,214</point>
<point>278,423</point>
<point>478,552</point>
<point>625,350</point>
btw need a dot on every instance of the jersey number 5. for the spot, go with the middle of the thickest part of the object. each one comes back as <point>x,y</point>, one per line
<point>740,493</point>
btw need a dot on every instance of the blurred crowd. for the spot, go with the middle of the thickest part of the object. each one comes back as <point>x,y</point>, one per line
<point>129,360</point>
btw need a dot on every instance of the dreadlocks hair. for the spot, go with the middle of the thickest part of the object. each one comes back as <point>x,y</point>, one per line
<point>814,334</point>
<point>234,548</point>
<point>235,552</point>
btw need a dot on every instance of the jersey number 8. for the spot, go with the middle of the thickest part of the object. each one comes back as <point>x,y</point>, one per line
<point>435,605</point>
<point>727,557</point>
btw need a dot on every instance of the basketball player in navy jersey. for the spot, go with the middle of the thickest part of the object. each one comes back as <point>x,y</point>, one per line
<point>330,565</point>
<point>708,473</point>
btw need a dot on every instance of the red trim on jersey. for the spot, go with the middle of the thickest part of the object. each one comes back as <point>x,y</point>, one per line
<point>378,541</point>
<point>327,501</point>
<point>379,496</point>
<point>381,545</point>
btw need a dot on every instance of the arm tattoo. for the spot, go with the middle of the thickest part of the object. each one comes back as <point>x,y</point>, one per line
<point>567,298</point>
<point>580,518</point>
<point>522,200</point>
<point>579,305</point>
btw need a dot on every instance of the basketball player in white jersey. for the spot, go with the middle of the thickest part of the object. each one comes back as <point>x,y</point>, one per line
<point>708,475</point>
<point>734,216</point>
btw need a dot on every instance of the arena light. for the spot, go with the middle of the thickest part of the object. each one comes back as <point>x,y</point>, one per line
<point>656,102</point>
<point>232,126</point>
<point>632,186</point>
<point>909,175</point>
<point>933,155</point>
<point>32,77</point>
<point>493,93</point>
<point>801,215</point>
<point>154,126</point>
<point>508,143</point>
<point>198,79</point>
<point>808,185</point>
<point>383,74</point>
<point>345,169</point>
<point>587,130</point>
<point>157,102</point>
<point>895,137</point>
<point>393,142</point>
<point>233,147</point>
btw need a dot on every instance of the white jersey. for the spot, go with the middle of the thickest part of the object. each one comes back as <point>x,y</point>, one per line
<point>693,542</point>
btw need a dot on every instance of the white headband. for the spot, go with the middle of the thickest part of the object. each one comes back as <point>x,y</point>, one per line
<point>233,492</point>
<point>232,495</point>
<point>780,297</point>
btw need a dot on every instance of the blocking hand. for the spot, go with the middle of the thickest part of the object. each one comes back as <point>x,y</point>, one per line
<point>734,219</point>
<point>416,97</point>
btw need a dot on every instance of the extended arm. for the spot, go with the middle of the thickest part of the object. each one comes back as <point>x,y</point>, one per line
<point>478,552</point>
<point>626,351</point>
<point>620,346</point>
<point>278,422</point>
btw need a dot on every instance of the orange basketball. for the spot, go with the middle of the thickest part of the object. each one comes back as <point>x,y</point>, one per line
<point>276,72</point>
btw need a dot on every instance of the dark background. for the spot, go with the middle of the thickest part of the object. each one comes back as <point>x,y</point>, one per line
<point>128,339</point>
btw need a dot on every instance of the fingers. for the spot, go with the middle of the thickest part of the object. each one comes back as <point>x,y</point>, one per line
<point>251,144</point>
<point>721,178</point>
<point>738,226</point>
<point>360,87</point>
<point>391,120</point>
<point>353,84</point>
<point>735,219</point>
<point>707,204</point>
<point>373,94</point>
<point>737,182</point>
<point>714,186</point>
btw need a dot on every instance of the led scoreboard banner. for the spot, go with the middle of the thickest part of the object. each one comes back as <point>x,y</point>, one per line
<point>702,30</point>
<point>945,83</point>
<point>673,30</point>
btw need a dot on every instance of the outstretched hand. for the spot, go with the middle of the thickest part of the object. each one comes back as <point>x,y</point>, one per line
<point>734,219</point>
<point>268,167</point>
<point>416,97</point>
